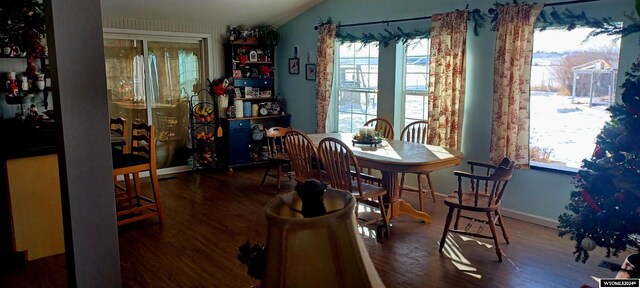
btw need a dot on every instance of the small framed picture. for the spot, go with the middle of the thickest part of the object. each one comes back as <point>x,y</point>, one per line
<point>256,92</point>
<point>310,72</point>
<point>248,92</point>
<point>265,94</point>
<point>294,65</point>
<point>253,56</point>
<point>237,92</point>
<point>237,74</point>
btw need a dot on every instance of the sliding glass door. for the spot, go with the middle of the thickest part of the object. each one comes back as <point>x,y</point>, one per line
<point>150,79</point>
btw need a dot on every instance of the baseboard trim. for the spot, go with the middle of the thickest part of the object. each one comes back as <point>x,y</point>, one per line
<point>518,215</point>
<point>530,218</point>
<point>163,171</point>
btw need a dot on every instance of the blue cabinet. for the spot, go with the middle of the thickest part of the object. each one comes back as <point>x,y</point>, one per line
<point>238,147</point>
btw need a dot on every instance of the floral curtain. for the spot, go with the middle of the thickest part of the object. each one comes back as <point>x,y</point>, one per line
<point>512,70</point>
<point>447,78</point>
<point>324,73</point>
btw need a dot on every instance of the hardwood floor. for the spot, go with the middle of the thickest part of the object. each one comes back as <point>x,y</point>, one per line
<point>208,215</point>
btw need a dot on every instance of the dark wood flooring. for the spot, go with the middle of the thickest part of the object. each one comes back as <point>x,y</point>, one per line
<point>208,215</point>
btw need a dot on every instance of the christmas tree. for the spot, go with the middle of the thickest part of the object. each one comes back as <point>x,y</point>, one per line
<point>605,207</point>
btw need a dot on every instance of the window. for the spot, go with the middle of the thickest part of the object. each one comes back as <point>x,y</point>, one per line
<point>416,78</point>
<point>573,81</point>
<point>357,85</point>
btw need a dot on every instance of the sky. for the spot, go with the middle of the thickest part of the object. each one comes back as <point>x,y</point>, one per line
<point>552,40</point>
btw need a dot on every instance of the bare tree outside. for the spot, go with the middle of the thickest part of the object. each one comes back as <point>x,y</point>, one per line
<point>562,71</point>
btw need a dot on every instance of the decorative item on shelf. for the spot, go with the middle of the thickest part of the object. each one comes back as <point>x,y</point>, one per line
<point>246,109</point>
<point>231,112</point>
<point>248,91</point>
<point>254,110</point>
<point>23,27</point>
<point>253,56</point>
<point>255,92</point>
<point>239,108</point>
<point>265,94</point>
<point>237,73</point>
<point>257,132</point>
<point>265,71</point>
<point>237,93</point>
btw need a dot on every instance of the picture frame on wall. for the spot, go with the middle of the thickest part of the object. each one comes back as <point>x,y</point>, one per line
<point>294,65</point>
<point>310,72</point>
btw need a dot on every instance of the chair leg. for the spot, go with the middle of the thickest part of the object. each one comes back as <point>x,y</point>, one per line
<point>155,188</point>
<point>401,185</point>
<point>266,173</point>
<point>492,226</point>
<point>433,193</point>
<point>455,225</point>
<point>501,223</point>
<point>138,186</point>
<point>420,191</point>
<point>127,185</point>
<point>445,231</point>
<point>278,177</point>
<point>383,211</point>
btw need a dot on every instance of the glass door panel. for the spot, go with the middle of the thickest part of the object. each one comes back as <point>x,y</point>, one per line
<point>174,72</point>
<point>124,63</point>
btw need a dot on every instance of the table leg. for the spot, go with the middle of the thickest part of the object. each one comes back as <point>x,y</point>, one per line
<point>399,206</point>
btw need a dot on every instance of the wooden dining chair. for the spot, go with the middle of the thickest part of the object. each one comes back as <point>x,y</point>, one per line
<point>303,156</point>
<point>142,158</point>
<point>416,132</point>
<point>119,127</point>
<point>277,155</point>
<point>382,126</point>
<point>340,164</point>
<point>481,193</point>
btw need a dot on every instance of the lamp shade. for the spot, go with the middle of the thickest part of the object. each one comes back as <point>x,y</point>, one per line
<point>323,251</point>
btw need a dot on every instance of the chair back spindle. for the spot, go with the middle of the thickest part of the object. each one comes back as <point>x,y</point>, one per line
<point>302,154</point>
<point>382,126</point>
<point>338,161</point>
<point>415,132</point>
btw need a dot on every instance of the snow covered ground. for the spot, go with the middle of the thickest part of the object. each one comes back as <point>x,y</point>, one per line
<point>568,129</point>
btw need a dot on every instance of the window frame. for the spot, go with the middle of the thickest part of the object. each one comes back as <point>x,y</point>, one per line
<point>404,91</point>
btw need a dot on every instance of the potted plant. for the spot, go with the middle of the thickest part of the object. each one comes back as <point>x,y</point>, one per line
<point>268,35</point>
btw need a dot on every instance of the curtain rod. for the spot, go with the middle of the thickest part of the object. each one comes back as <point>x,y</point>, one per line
<point>429,17</point>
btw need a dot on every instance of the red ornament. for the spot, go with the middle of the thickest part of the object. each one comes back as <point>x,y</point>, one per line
<point>598,152</point>
<point>589,200</point>
<point>618,197</point>
<point>218,90</point>
<point>265,70</point>
<point>243,59</point>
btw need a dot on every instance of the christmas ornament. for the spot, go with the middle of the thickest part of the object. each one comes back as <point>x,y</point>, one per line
<point>576,220</point>
<point>618,158</point>
<point>612,132</point>
<point>588,244</point>
<point>589,200</point>
<point>625,142</point>
<point>598,153</point>
<point>618,197</point>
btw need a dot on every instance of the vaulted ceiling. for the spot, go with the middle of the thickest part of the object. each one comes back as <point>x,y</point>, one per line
<point>223,12</point>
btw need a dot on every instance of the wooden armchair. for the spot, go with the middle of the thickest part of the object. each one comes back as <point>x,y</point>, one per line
<point>482,194</point>
<point>277,155</point>
<point>340,164</point>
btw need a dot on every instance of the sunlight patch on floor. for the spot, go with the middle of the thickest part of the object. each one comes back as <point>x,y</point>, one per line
<point>454,252</point>
<point>464,238</point>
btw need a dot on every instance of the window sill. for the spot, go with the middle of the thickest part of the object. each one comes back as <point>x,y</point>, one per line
<point>553,168</point>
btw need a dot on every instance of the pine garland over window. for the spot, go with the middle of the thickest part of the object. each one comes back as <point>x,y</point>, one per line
<point>399,35</point>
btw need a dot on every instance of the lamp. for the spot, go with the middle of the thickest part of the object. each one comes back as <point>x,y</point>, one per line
<point>323,251</point>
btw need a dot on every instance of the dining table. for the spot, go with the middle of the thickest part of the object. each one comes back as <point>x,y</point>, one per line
<point>391,157</point>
